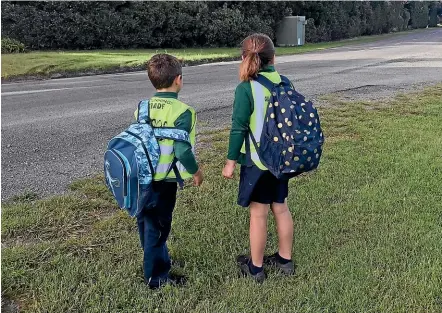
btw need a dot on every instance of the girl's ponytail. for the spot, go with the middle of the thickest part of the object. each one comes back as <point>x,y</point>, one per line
<point>250,66</point>
<point>257,51</point>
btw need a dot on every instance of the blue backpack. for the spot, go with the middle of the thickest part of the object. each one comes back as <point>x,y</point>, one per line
<point>131,159</point>
<point>291,140</point>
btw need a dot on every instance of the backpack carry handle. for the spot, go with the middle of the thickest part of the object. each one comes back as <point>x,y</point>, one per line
<point>287,81</point>
<point>143,112</point>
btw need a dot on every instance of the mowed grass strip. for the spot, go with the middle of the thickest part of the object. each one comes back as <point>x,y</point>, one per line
<point>367,238</point>
<point>45,64</point>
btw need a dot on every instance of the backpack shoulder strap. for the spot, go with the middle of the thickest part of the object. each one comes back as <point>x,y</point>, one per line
<point>178,177</point>
<point>287,81</point>
<point>267,83</point>
<point>143,112</point>
<point>172,134</point>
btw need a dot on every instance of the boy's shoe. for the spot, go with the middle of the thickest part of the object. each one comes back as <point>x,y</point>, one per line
<point>244,265</point>
<point>177,263</point>
<point>172,279</point>
<point>275,261</point>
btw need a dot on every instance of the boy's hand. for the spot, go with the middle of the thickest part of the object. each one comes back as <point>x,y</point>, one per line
<point>198,178</point>
<point>229,169</point>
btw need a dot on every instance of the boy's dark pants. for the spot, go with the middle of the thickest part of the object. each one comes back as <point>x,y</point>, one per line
<point>154,228</point>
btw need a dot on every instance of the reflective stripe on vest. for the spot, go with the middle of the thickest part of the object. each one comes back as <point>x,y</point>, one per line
<point>260,94</point>
<point>259,110</point>
<point>164,168</point>
<point>166,160</point>
<point>168,154</point>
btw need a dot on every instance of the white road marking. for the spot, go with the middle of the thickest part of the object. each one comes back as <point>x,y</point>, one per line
<point>23,92</point>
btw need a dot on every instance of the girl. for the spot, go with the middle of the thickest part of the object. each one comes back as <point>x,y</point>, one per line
<point>258,188</point>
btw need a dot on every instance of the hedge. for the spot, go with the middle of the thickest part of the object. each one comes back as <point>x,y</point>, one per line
<point>12,46</point>
<point>95,25</point>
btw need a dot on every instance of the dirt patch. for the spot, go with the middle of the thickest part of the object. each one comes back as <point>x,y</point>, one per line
<point>9,306</point>
<point>367,93</point>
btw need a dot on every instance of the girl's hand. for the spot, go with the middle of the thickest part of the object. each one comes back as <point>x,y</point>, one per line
<point>198,178</point>
<point>229,169</point>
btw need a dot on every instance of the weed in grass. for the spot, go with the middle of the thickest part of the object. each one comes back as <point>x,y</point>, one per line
<point>28,196</point>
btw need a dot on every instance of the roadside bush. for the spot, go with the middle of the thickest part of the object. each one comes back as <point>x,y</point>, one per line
<point>340,20</point>
<point>179,24</point>
<point>225,24</point>
<point>10,45</point>
<point>419,14</point>
<point>310,31</point>
<point>433,8</point>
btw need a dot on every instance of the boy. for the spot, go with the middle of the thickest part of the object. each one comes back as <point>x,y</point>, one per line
<point>165,110</point>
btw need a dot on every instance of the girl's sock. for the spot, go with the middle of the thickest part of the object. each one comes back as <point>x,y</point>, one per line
<point>282,260</point>
<point>254,269</point>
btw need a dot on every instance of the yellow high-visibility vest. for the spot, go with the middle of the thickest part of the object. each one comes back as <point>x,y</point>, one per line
<point>163,112</point>
<point>261,96</point>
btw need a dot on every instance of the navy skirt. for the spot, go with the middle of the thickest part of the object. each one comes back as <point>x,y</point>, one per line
<point>260,186</point>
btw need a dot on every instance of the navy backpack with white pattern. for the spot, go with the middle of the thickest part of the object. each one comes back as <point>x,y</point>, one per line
<point>291,140</point>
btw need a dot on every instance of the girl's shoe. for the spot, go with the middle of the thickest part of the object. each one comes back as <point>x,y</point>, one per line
<point>275,261</point>
<point>244,265</point>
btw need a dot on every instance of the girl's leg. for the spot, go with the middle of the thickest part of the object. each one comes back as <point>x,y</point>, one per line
<point>258,231</point>
<point>284,225</point>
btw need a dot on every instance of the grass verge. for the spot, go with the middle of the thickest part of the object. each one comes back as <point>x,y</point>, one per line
<point>367,238</point>
<point>74,63</point>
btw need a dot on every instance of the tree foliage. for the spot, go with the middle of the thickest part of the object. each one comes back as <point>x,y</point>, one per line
<point>125,24</point>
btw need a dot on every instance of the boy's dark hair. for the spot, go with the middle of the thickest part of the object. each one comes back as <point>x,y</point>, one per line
<point>163,69</point>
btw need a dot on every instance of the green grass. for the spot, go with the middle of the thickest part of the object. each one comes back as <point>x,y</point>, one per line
<point>48,63</point>
<point>367,238</point>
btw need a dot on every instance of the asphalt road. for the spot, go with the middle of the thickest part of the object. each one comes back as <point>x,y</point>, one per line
<point>55,131</point>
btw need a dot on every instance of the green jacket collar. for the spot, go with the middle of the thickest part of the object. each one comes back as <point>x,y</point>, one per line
<point>268,69</point>
<point>166,94</point>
